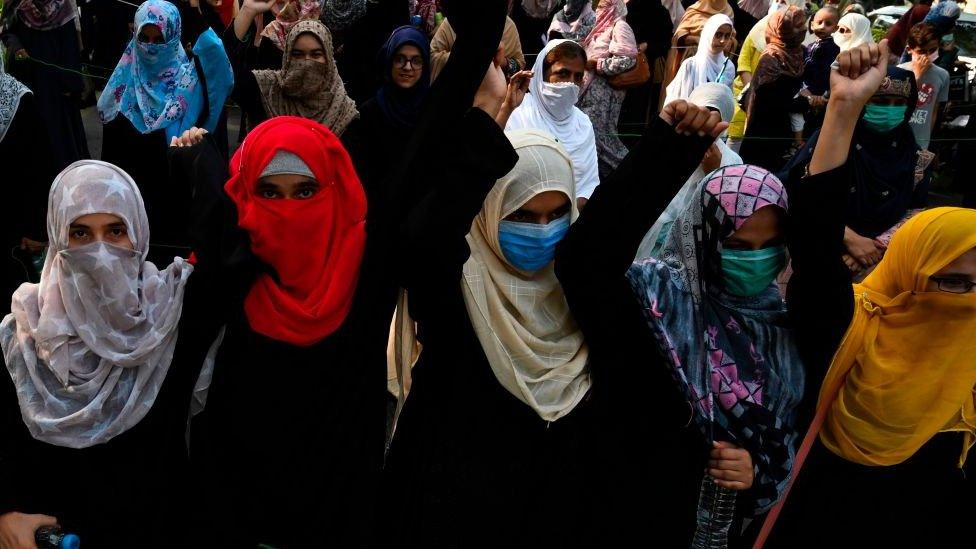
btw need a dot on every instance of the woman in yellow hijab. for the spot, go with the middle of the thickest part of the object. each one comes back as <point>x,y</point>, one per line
<point>895,418</point>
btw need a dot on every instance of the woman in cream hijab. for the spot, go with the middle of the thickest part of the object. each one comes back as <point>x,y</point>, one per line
<point>497,416</point>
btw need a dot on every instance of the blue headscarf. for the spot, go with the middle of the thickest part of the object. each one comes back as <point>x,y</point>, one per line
<point>156,86</point>
<point>402,106</point>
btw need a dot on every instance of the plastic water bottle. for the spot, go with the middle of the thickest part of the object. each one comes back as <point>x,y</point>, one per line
<point>415,21</point>
<point>51,537</point>
<point>716,506</point>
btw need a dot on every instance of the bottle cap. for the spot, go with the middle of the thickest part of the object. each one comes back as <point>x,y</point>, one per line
<point>70,541</point>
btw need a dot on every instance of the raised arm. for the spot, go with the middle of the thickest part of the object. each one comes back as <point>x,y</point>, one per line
<point>820,295</point>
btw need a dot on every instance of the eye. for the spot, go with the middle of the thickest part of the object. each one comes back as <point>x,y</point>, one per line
<point>519,216</point>
<point>269,194</point>
<point>78,234</point>
<point>305,193</point>
<point>118,232</point>
<point>318,54</point>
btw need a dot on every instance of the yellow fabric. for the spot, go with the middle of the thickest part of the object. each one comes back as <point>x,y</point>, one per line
<point>907,366</point>
<point>443,41</point>
<point>747,62</point>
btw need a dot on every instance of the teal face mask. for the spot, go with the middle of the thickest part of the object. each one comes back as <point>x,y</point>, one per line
<point>884,118</point>
<point>748,272</point>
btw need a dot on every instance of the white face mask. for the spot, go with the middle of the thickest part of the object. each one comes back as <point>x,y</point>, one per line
<point>559,98</point>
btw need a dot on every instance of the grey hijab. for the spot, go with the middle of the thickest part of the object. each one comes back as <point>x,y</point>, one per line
<point>89,346</point>
<point>11,90</point>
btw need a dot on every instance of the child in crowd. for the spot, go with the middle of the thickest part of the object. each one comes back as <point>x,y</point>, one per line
<point>816,70</point>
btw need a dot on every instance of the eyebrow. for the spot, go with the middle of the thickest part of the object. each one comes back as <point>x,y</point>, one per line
<point>78,226</point>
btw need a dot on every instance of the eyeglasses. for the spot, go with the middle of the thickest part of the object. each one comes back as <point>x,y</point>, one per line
<point>954,285</point>
<point>401,61</point>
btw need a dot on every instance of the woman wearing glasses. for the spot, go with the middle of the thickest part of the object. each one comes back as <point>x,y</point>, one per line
<point>895,415</point>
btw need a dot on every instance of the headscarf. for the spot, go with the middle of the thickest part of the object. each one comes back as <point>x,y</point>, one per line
<point>307,88</point>
<point>574,133</point>
<point>402,106</point>
<point>293,12</point>
<point>898,33</point>
<point>46,14</point>
<point>712,95</point>
<point>705,66</point>
<point>600,40</point>
<point>89,346</point>
<point>572,18</point>
<point>860,32</point>
<point>755,8</point>
<point>758,31</point>
<point>314,246</point>
<point>540,9</point>
<point>427,10</point>
<point>155,86</point>
<point>675,9</point>
<point>943,16</point>
<point>906,370</point>
<point>784,44</point>
<point>696,15</point>
<point>882,165</point>
<point>341,14</point>
<point>11,90</point>
<point>443,41</point>
<point>734,357</point>
<point>522,320</point>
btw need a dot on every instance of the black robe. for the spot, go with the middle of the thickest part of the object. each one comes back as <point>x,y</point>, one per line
<point>29,173</point>
<point>926,501</point>
<point>769,135</point>
<point>650,450</point>
<point>56,90</point>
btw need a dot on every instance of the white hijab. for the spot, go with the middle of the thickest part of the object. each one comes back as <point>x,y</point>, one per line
<point>569,125</point>
<point>860,32</point>
<point>717,96</point>
<point>522,320</point>
<point>89,346</point>
<point>704,66</point>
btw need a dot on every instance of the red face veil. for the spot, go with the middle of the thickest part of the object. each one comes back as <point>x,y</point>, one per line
<point>314,245</point>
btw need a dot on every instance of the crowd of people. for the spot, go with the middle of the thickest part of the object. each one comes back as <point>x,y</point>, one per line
<point>550,273</point>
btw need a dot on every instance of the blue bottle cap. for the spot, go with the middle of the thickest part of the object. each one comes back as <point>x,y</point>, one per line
<point>70,541</point>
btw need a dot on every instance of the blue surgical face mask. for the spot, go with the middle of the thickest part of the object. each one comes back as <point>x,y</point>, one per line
<point>748,272</point>
<point>530,246</point>
<point>884,118</point>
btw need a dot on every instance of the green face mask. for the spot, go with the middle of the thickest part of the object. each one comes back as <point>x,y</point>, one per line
<point>748,272</point>
<point>884,118</point>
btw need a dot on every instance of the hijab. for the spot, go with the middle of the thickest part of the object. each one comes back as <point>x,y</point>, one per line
<point>402,106</point>
<point>898,33</point>
<point>307,88</point>
<point>339,15</point>
<point>46,14</point>
<point>943,16</point>
<point>570,126</point>
<point>697,15</point>
<point>573,18</point>
<point>286,19</point>
<point>758,31</point>
<point>600,39</point>
<point>155,86</point>
<point>860,32</point>
<point>882,164</point>
<point>734,357</point>
<point>89,346</point>
<point>705,66</point>
<point>540,9</point>
<point>314,247</point>
<point>785,32</point>
<point>11,91</point>
<point>444,38</point>
<point>522,320</point>
<point>906,370</point>
<point>715,96</point>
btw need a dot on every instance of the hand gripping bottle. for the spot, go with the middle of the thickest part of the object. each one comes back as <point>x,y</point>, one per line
<point>51,537</point>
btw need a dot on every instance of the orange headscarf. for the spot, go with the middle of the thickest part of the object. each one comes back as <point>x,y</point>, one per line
<point>907,366</point>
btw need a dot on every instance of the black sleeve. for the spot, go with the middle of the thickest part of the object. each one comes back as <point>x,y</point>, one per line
<point>30,145</point>
<point>435,247</point>
<point>246,92</point>
<point>12,463</point>
<point>603,242</point>
<point>820,296</point>
<point>224,264</point>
